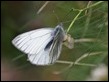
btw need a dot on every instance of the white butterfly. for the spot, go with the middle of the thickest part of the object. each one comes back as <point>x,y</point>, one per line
<point>43,46</point>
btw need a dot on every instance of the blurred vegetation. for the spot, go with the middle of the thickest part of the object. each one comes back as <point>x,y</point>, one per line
<point>21,16</point>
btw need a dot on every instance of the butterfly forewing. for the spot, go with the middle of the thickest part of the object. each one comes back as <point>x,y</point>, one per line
<point>29,42</point>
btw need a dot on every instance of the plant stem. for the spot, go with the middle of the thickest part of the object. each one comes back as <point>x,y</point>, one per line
<point>73,21</point>
<point>93,5</point>
<point>80,11</point>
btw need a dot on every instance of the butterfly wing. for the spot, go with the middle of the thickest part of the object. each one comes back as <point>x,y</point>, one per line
<point>30,42</point>
<point>43,46</point>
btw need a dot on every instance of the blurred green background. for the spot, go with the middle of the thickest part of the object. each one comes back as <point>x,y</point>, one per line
<point>21,16</point>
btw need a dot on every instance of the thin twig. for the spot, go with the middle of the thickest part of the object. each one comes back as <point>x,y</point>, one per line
<point>76,62</point>
<point>16,58</point>
<point>70,65</point>
<point>86,55</point>
<point>74,21</point>
<point>84,40</point>
<point>87,20</point>
<point>43,7</point>
<point>88,6</point>
<point>92,5</point>
<point>80,11</point>
<point>70,62</point>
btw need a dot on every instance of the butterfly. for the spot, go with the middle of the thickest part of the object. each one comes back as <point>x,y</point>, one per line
<point>43,46</point>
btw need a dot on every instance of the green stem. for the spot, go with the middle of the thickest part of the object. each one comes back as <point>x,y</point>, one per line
<point>73,21</point>
<point>92,5</point>
<point>80,11</point>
